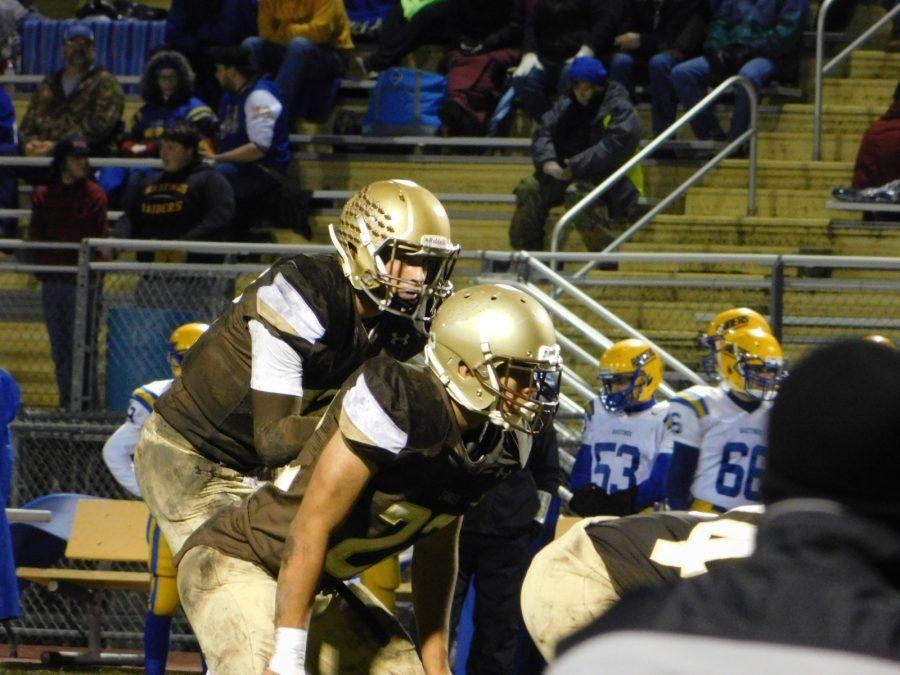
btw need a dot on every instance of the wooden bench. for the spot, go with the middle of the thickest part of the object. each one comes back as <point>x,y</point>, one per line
<point>104,531</point>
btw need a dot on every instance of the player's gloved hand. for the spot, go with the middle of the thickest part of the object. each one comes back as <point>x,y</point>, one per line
<point>289,656</point>
<point>529,62</point>
<point>592,501</point>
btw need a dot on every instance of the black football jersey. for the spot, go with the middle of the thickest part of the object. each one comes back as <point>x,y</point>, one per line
<point>309,304</point>
<point>399,418</point>
<point>646,549</point>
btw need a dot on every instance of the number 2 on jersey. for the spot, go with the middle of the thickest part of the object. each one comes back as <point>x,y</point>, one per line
<point>349,558</point>
<point>732,478</point>
<point>603,469</point>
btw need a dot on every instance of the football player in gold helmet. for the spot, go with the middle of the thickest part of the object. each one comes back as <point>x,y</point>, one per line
<point>401,453</point>
<point>619,468</point>
<point>718,433</point>
<point>118,453</point>
<point>247,396</point>
<point>732,319</point>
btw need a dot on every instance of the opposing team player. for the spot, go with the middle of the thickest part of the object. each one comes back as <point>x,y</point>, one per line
<point>718,434</point>
<point>621,468</point>
<point>118,453</point>
<point>401,453</point>
<point>576,578</point>
<point>820,592</point>
<point>732,319</point>
<point>242,404</point>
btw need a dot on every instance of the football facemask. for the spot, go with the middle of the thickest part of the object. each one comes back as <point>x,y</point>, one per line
<point>528,392</point>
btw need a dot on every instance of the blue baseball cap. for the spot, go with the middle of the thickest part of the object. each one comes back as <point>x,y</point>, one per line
<point>588,69</point>
<point>74,30</point>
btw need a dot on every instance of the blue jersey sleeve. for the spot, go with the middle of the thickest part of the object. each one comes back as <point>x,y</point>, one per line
<point>681,475</point>
<point>654,488</point>
<point>581,471</point>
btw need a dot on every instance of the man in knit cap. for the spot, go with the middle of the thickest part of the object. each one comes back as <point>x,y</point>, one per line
<point>582,139</point>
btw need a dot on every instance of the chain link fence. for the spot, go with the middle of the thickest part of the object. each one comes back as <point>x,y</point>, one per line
<point>61,452</point>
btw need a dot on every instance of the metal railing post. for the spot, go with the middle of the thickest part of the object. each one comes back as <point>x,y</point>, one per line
<point>732,82</point>
<point>822,69</point>
<point>776,305</point>
<point>81,329</point>
<point>820,59</point>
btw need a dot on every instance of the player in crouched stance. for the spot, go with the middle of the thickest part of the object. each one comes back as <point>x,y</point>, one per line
<point>401,453</point>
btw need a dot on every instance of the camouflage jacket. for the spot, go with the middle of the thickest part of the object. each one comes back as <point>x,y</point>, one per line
<point>93,110</point>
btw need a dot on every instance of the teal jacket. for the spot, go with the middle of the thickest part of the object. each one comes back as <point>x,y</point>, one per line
<point>769,28</point>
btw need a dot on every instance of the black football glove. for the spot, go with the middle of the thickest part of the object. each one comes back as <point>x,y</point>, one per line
<point>592,501</point>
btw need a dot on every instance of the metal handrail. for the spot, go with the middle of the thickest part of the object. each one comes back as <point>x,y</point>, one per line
<point>823,69</point>
<point>703,104</point>
<point>608,316</point>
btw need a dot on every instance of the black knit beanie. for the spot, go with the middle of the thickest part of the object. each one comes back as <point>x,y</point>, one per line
<point>834,432</point>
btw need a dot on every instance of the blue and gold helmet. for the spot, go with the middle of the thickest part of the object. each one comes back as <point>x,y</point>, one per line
<point>751,361</point>
<point>630,373</point>
<point>736,318</point>
<point>180,341</point>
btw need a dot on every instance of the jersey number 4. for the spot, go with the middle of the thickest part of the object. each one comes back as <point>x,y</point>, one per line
<point>603,470</point>
<point>733,478</point>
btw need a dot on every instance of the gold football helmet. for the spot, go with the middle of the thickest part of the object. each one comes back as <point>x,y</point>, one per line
<point>880,340</point>
<point>752,362</point>
<point>398,220</point>
<point>630,373</point>
<point>494,348</point>
<point>735,318</point>
<point>180,341</point>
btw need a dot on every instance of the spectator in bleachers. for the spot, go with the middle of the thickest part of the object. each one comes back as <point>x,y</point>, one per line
<point>878,159</point>
<point>755,39</point>
<point>556,32</point>
<point>307,44</point>
<point>10,400</point>
<point>586,136</point>
<point>70,208</point>
<point>167,87</point>
<point>253,150</point>
<point>663,34</point>
<point>187,200</point>
<point>9,145</point>
<point>195,26</point>
<point>408,26</point>
<point>486,43</point>
<point>82,98</point>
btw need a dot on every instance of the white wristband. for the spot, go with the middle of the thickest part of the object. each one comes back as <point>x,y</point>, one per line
<point>290,651</point>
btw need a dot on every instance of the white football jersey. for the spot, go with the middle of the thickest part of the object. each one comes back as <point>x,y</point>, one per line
<point>623,447</point>
<point>731,440</point>
<point>118,452</point>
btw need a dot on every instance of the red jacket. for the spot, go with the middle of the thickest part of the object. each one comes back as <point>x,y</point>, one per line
<point>61,212</point>
<point>878,160</point>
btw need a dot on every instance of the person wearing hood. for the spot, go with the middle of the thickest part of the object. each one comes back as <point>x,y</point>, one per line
<point>167,87</point>
<point>582,139</point>
<point>187,200</point>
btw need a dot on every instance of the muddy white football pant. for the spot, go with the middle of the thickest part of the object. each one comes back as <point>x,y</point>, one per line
<point>231,606</point>
<point>565,588</point>
<point>182,489</point>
